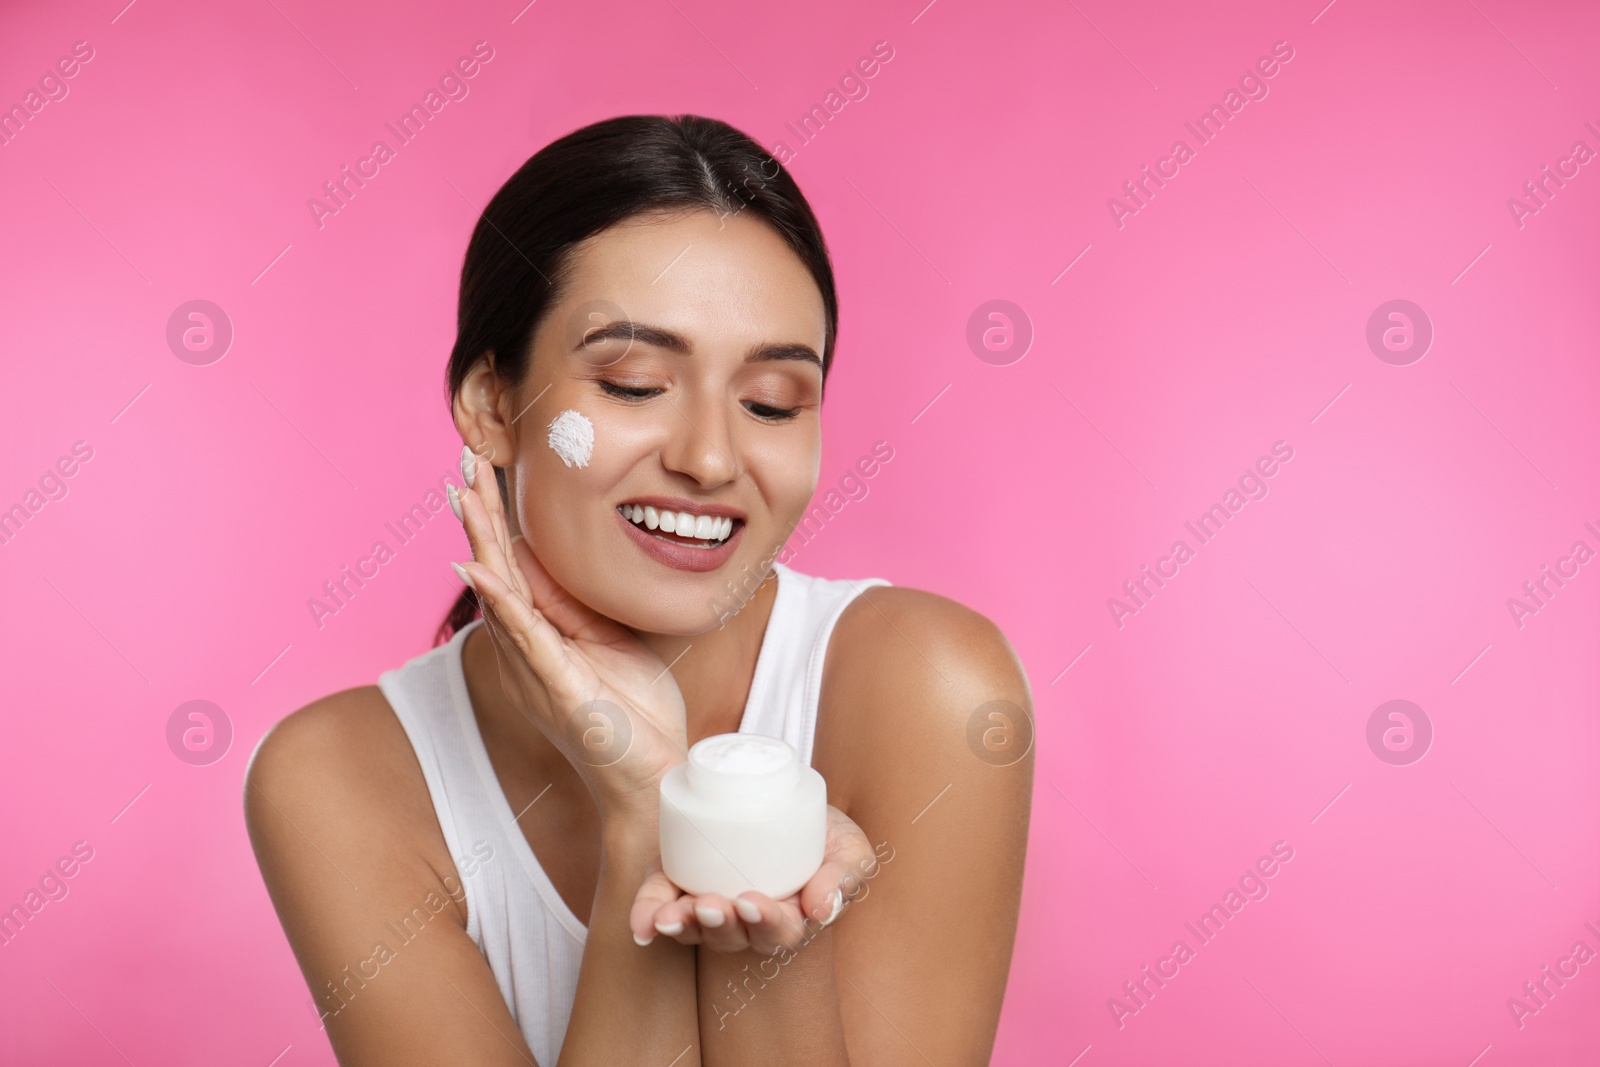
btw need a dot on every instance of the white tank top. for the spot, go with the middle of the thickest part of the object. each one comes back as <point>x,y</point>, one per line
<point>531,939</point>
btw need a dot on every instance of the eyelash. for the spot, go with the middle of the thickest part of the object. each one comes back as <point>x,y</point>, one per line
<point>624,392</point>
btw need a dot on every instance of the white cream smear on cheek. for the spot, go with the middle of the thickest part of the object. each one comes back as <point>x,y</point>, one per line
<point>572,438</point>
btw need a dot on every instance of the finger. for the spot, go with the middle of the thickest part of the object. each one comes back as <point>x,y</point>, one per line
<point>481,536</point>
<point>656,892</point>
<point>677,921</point>
<point>849,859</point>
<point>768,927</point>
<point>479,469</point>
<point>720,928</point>
<point>541,644</point>
<point>566,612</point>
<point>826,895</point>
<point>517,679</point>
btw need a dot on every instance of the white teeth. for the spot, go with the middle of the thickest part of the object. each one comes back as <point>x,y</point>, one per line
<point>709,528</point>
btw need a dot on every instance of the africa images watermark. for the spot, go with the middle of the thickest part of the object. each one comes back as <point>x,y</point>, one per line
<point>852,84</point>
<point>404,930</point>
<point>1538,993</point>
<point>1252,886</point>
<point>453,86</point>
<point>52,886</point>
<point>737,592</point>
<point>340,590</point>
<point>1141,190</point>
<point>53,485</point>
<point>53,88</point>
<point>853,888</point>
<point>1252,485</point>
<point>1541,190</point>
<point>851,485</point>
<point>1537,592</point>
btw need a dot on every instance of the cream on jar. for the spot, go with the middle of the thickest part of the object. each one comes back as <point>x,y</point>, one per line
<point>742,814</point>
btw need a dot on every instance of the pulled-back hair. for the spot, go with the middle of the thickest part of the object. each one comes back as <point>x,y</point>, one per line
<point>519,256</point>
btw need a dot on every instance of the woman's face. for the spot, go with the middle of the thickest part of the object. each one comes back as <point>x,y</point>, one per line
<point>708,404</point>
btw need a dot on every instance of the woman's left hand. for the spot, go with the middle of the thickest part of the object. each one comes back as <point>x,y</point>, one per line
<point>754,920</point>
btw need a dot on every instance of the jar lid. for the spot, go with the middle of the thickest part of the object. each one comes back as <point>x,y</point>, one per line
<point>746,767</point>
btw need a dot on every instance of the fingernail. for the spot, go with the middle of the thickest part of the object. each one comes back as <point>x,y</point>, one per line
<point>709,916</point>
<point>670,929</point>
<point>747,911</point>
<point>469,464</point>
<point>642,941</point>
<point>455,501</point>
<point>461,572</point>
<point>838,906</point>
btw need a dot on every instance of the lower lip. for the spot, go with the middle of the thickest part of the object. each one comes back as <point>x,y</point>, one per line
<point>681,557</point>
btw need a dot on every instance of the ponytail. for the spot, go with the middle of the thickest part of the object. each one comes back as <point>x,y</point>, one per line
<point>463,611</point>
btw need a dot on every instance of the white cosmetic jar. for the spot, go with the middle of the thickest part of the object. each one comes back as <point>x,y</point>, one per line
<point>743,814</point>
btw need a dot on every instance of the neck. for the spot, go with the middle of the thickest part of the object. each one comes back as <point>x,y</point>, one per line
<point>713,671</point>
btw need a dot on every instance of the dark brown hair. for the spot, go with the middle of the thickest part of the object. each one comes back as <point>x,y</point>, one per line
<point>595,177</point>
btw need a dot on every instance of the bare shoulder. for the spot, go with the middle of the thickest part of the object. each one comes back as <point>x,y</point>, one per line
<point>934,618</point>
<point>356,865</point>
<point>336,726</point>
<point>344,766</point>
<point>925,739</point>
<point>906,666</point>
<point>355,727</point>
<point>899,638</point>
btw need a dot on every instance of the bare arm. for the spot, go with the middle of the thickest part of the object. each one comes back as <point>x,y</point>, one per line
<point>923,966</point>
<point>633,1004</point>
<point>914,971</point>
<point>331,819</point>
<point>782,1007</point>
<point>333,800</point>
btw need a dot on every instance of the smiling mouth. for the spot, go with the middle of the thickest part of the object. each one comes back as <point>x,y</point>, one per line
<point>680,527</point>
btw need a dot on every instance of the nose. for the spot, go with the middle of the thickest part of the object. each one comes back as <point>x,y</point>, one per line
<point>701,444</point>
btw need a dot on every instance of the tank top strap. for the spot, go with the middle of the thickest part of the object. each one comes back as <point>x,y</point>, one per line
<point>787,685</point>
<point>532,941</point>
<point>419,691</point>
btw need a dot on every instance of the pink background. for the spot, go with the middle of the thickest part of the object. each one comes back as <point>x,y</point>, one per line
<point>1228,714</point>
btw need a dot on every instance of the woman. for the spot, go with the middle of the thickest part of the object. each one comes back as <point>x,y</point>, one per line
<point>465,857</point>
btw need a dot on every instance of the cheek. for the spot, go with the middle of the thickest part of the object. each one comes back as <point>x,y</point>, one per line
<point>787,469</point>
<point>558,457</point>
<point>571,436</point>
<point>581,451</point>
<point>621,439</point>
<point>571,461</point>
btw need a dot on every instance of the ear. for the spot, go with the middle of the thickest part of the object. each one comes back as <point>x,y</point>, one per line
<point>479,410</point>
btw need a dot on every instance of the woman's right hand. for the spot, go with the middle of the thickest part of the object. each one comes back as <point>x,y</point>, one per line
<point>612,708</point>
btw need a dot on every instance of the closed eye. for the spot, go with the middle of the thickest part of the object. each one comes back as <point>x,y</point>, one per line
<point>626,392</point>
<point>771,414</point>
<point>635,393</point>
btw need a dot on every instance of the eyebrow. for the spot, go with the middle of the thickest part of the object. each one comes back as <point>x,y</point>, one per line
<point>657,337</point>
